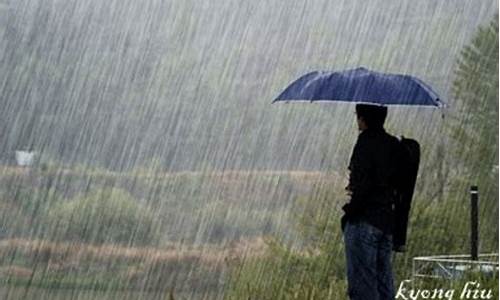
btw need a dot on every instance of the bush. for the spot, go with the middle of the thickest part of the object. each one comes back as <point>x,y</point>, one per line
<point>23,210</point>
<point>314,270</point>
<point>104,216</point>
<point>283,274</point>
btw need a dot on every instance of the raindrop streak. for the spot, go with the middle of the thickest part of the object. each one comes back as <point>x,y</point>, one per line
<point>141,157</point>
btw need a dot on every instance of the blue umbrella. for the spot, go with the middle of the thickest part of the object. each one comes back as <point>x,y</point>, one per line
<point>361,86</point>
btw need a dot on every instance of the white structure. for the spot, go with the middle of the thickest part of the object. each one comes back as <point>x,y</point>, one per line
<point>25,158</point>
<point>454,266</point>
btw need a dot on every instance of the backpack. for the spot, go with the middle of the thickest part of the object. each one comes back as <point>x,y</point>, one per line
<point>407,171</point>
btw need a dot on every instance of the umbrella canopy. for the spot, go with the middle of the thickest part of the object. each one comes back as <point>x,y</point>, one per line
<point>361,86</point>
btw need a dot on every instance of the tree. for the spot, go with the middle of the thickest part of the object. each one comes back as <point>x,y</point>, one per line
<point>474,131</point>
<point>476,92</point>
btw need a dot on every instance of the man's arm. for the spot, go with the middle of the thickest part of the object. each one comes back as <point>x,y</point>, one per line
<point>360,184</point>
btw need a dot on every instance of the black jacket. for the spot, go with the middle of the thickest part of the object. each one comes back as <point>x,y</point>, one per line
<point>373,176</point>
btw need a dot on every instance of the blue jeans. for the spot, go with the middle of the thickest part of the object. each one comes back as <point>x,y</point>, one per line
<point>369,269</point>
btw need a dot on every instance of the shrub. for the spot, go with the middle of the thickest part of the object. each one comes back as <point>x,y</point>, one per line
<point>104,216</point>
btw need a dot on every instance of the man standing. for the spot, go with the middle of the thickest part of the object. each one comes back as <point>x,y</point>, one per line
<point>368,220</point>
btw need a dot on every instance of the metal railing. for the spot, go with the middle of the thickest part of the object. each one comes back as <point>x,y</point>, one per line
<point>453,266</point>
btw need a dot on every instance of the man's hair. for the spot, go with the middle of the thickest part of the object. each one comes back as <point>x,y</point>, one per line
<point>373,115</point>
